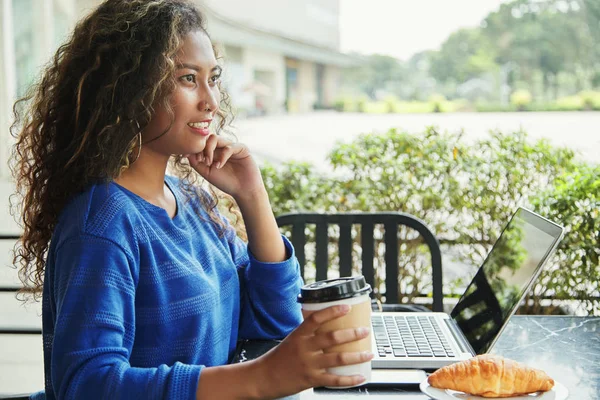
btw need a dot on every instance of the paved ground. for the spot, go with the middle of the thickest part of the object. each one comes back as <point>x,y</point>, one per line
<point>303,137</point>
<point>310,137</point>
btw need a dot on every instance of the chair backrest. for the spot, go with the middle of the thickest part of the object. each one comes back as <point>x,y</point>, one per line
<point>367,221</point>
<point>14,289</point>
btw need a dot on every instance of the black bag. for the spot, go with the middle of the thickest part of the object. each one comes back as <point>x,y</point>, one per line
<point>249,349</point>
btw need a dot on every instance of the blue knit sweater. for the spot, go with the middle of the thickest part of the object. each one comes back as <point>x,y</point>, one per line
<point>135,303</point>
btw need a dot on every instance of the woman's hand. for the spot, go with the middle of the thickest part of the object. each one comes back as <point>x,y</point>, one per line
<point>299,362</point>
<point>228,166</point>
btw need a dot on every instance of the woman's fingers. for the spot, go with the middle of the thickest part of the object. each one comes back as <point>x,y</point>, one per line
<point>318,318</point>
<point>222,155</point>
<point>330,360</point>
<point>219,150</point>
<point>328,339</point>
<point>209,149</point>
<point>227,152</point>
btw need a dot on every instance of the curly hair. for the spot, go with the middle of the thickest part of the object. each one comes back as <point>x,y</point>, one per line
<point>78,124</point>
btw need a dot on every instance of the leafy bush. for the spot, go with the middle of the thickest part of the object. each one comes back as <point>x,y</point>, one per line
<point>375,107</point>
<point>345,103</point>
<point>590,99</point>
<point>412,107</point>
<point>494,107</point>
<point>436,101</point>
<point>570,103</point>
<point>458,105</point>
<point>464,190</point>
<point>575,268</point>
<point>295,186</point>
<point>361,104</point>
<point>521,99</point>
<point>391,103</point>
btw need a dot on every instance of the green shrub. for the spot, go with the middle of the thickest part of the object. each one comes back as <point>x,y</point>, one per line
<point>521,99</point>
<point>295,186</point>
<point>436,101</point>
<point>391,103</point>
<point>494,107</point>
<point>570,103</point>
<point>375,107</point>
<point>345,103</point>
<point>361,104</point>
<point>413,107</point>
<point>457,105</point>
<point>590,99</point>
<point>574,270</point>
<point>464,190</point>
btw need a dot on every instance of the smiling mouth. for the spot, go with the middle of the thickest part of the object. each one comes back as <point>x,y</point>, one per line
<point>199,125</point>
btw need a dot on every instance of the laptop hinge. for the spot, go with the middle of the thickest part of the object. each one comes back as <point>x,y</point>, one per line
<point>460,339</point>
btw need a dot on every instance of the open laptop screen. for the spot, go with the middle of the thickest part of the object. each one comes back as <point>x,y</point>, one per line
<point>505,277</point>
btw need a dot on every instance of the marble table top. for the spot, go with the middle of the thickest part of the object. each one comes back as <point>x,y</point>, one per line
<point>566,347</point>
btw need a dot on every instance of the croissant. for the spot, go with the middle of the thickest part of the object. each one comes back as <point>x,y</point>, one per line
<point>491,376</point>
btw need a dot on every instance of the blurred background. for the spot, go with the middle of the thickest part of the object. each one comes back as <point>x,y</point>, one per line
<point>455,111</point>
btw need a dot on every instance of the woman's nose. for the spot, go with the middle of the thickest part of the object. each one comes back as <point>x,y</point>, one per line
<point>209,101</point>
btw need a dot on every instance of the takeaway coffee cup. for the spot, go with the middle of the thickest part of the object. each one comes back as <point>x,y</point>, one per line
<point>353,291</point>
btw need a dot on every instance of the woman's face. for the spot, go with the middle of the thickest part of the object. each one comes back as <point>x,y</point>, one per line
<point>194,101</point>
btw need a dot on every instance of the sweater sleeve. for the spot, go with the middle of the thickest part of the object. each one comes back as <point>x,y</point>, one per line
<point>269,292</point>
<point>94,308</point>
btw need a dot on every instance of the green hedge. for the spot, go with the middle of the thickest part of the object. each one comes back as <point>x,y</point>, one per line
<point>520,101</point>
<point>464,190</point>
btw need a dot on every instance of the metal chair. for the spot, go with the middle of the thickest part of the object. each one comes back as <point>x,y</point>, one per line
<point>297,222</point>
<point>15,289</point>
<point>15,330</point>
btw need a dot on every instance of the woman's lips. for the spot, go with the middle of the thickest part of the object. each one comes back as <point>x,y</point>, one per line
<point>200,131</point>
<point>200,127</point>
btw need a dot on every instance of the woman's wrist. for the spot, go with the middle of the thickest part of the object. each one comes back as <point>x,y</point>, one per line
<point>249,199</point>
<point>259,379</point>
<point>243,381</point>
<point>264,238</point>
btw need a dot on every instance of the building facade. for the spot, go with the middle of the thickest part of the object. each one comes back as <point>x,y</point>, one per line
<point>281,55</point>
<point>278,56</point>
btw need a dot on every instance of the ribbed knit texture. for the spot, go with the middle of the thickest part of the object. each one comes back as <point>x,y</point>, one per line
<point>135,303</point>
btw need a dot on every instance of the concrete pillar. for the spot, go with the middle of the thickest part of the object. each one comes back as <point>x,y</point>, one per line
<point>331,84</point>
<point>7,84</point>
<point>307,85</point>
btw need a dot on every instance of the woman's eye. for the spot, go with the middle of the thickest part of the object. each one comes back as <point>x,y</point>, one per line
<point>191,78</point>
<point>215,79</point>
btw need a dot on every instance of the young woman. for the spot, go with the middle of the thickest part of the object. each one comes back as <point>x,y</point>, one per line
<point>146,287</point>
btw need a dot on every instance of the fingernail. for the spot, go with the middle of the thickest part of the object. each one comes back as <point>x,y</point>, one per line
<point>218,165</point>
<point>344,308</point>
<point>367,354</point>
<point>360,379</point>
<point>362,330</point>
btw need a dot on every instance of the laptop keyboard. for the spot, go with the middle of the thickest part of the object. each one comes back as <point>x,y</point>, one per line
<point>408,336</point>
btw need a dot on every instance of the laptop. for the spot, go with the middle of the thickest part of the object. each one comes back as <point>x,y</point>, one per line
<point>431,340</point>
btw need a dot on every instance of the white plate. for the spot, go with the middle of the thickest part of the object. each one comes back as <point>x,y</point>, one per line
<point>558,392</point>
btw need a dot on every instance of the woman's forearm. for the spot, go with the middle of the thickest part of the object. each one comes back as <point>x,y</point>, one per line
<point>231,382</point>
<point>264,238</point>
